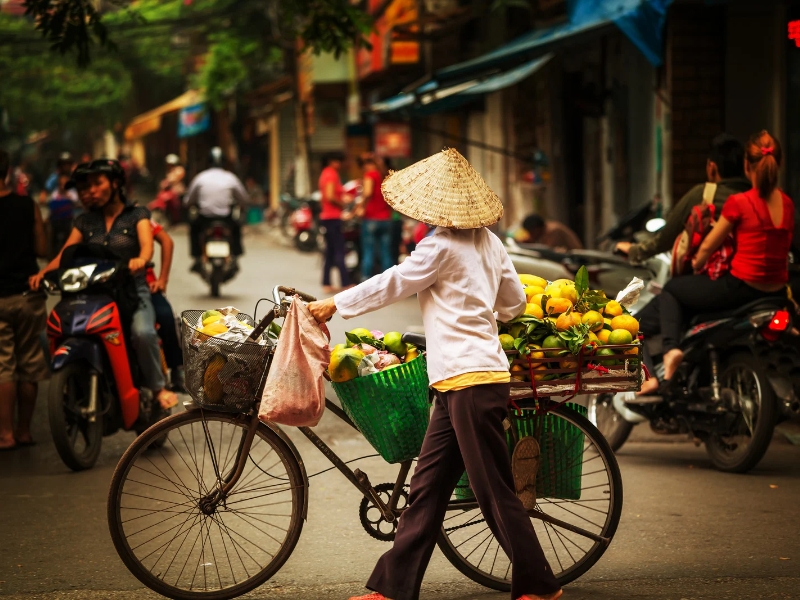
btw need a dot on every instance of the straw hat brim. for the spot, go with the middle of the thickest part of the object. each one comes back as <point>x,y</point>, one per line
<point>443,190</point>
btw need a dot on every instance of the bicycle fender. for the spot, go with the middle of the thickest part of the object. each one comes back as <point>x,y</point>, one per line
<point>281,434</point>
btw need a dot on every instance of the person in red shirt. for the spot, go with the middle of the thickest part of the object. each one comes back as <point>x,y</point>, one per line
<point>333,200</point>
<point>376,226</point>
<point>761,221</point>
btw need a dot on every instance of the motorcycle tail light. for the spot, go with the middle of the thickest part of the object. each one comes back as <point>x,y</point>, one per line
<point>218,232</point>
<point>778,323</point>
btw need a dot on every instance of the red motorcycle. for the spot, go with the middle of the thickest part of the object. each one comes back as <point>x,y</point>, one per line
<point>166,208</point>
<point>95,384</point>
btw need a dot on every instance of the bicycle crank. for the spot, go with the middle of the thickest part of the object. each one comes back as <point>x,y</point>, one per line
<point>372,517</point>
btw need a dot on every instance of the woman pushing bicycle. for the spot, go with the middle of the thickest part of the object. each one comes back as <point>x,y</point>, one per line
<point>465,282</point>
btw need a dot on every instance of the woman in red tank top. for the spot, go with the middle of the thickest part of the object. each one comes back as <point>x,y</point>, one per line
<point>761,222</point>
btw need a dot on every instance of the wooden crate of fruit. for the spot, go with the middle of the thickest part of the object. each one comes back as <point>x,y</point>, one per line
<point>571,340</point>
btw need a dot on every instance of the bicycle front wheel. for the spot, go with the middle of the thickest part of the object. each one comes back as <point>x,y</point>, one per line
<point>177,543</point>
<point>574,526</point>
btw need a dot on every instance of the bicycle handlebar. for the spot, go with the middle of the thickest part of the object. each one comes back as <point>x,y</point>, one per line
<point>288,291</point>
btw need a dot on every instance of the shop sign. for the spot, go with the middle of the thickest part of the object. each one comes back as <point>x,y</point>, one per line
<point>387,49</point>
<point>393,140</point>
<point>193,120</point>
<point>794,32</point>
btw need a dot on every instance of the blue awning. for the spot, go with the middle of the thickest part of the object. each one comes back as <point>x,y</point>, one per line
<point>431,98</point>
<point>642,21</point>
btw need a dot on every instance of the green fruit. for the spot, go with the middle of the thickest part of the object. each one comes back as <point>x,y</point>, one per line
<point>210,313</point>
<point>360,332</point>
<point>606,352</point>
<point>507,341</point>
<point>338,347</point>
<point>395,344</point>
<point>516,330</point>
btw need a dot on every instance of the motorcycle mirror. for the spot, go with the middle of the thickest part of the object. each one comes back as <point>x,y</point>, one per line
<point>654,225</point>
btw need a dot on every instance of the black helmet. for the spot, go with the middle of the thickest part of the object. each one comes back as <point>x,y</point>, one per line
<point>111,169</point>
<point>79,175</point>
<point>108,167</point>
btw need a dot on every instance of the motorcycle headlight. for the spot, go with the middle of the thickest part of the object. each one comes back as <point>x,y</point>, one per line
<point>104,276</point>
<point>75,280</point>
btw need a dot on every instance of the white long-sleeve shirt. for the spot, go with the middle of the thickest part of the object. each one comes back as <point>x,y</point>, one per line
<point>462,278</point>
<point>215,191</point>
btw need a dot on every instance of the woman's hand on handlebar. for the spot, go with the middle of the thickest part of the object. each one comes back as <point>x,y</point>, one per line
<point>322,310</point>
<point>622,248</point>
<point>35,281</point>
<point>137,264</point>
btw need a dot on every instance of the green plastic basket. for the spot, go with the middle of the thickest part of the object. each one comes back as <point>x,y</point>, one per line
<point>560,462</point>
<point>390,408</point>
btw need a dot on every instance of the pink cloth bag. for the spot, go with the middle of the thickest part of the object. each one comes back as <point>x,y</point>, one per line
<point>294,394</point>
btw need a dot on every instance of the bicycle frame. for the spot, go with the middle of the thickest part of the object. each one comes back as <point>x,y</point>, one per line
<point>358,478</point>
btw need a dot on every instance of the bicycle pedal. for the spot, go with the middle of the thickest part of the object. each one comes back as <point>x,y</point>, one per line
<point>362,478</point>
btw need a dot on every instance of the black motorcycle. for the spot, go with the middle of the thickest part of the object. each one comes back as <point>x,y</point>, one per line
<point>736,382</point>
<point>218,265</point>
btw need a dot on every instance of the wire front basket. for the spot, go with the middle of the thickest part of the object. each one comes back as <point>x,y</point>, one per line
<point>223,374</point>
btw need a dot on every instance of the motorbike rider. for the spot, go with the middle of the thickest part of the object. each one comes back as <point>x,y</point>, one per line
<point>165,316</point>
<point>124,229</point>
<point>761,221</point>
<point>725,168</point>
<point>172,187</point>
<point>215,192</point>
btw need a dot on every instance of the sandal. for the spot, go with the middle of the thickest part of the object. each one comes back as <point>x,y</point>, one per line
<point>525,466</point>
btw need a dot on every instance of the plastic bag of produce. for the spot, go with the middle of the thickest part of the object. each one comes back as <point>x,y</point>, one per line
<point>294,393</point>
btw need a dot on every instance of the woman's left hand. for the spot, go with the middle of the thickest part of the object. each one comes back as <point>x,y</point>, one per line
<point>697,265</point>
<point>322,310</point>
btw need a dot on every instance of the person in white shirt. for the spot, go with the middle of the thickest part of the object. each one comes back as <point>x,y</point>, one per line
<point>215,192</point>
<point>465,283</point>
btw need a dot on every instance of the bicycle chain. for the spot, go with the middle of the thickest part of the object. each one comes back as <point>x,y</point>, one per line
<point>467,524</point>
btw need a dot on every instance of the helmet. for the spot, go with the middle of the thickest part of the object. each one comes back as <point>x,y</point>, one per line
<point>215,156</point>
<point>79,175</point>
<point>172,159</point>
<point>111,169</point>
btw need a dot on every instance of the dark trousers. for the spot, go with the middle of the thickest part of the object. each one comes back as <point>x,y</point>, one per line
<point>198,227</point>
<point>334,252</point>
<point>685,297</point>
<point>165,319</point>
<point>466,431</point>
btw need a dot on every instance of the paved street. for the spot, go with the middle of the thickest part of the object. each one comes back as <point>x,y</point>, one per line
<point>687,531</point>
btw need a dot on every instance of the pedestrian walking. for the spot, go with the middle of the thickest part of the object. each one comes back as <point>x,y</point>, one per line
<point>376,225</point>
<point>462,276</point>
<point>333,200</point>
<point>22,314</point>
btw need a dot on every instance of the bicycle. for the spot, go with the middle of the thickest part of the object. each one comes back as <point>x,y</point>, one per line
<point>217,510</point>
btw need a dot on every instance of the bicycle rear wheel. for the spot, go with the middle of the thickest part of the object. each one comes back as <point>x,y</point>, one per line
<point>574,534</point>
<point>165,532</point>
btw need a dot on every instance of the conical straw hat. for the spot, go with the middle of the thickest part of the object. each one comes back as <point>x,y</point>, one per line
<point>443,190</point>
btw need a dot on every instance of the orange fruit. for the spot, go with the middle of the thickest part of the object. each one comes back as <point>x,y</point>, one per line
<point>594,320</point>
<point>535,310</point>
<point>533,290</point>
<point>536,299</point>
<point>532,280</point>
<point>612,309</point>
<point>626,322</point>
<point>602,336</point>
<point>556,306</point>
<point>564,321</point>
<point>620,336</point>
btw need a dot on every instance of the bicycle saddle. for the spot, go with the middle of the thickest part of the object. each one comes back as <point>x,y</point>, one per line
<point>418,339</point>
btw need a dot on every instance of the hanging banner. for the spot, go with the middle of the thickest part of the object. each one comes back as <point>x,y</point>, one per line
<point>193,120</point>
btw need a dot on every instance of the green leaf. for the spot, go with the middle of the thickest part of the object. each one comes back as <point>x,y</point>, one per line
<point>582,281</point>
<point>352,338</point>
<point>520,344</point>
